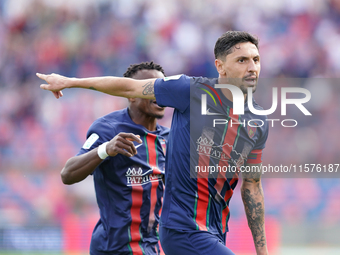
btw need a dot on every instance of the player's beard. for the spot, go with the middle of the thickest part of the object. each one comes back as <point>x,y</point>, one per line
<point>244,89</point>
<point>157,116</point>
<point>240,83</point>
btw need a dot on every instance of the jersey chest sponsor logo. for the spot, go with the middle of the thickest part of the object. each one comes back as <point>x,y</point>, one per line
<point>135,176</point>
<point>206,147</point>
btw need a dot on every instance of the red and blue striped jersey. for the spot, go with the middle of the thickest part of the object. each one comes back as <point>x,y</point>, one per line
<point>129,191</point>
<point>200,146</point>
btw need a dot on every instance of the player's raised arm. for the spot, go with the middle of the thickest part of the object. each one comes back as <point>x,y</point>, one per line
<point>253,200</point>
<point>116,86</point>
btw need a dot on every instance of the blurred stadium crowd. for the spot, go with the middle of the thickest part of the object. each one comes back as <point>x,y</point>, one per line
<point>38,133</point>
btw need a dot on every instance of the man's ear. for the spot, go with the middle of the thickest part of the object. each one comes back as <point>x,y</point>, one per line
<point>131,100</point>
<point>219,66</point>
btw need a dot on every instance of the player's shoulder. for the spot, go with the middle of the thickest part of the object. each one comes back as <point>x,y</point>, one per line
<point>189,79</point>
<point>115,117</point>
<point>202,82</point>
<point>201,79</point>
<point>256,105</point>
<point>261,121</point>
<point>163,130</point>
<point>175,79</point>
<point>108,121</point>
<point>260,108</point>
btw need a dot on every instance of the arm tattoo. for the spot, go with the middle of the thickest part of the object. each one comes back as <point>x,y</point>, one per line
<point>92,88</point>
<point>255,215</point>
<point>148,89</point>
<point>252,177</point>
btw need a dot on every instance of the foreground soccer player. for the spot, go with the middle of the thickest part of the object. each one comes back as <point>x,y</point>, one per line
<point>127,175</point>
<point>195,210</point>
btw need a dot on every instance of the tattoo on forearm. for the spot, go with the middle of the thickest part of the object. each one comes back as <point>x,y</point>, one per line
<point>148,89</point>
<point>255,215</point>
<point>252,176</point>
<point>92,88</point>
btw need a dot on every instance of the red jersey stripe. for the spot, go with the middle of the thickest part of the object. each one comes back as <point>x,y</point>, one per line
<point>225,211</point>
<point>228,143</point>
<point>137,201</point>
<point>203,189</point>
<point>151,140</point>
<point>202,202</point>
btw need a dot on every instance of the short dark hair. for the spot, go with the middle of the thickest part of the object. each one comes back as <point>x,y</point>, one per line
<point>133,69</point>
<point>224,45</point>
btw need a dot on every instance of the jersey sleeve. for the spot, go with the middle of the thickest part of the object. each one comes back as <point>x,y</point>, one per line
<point>255,156</point>
<point>99,132</point>
<point>173,91</point>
